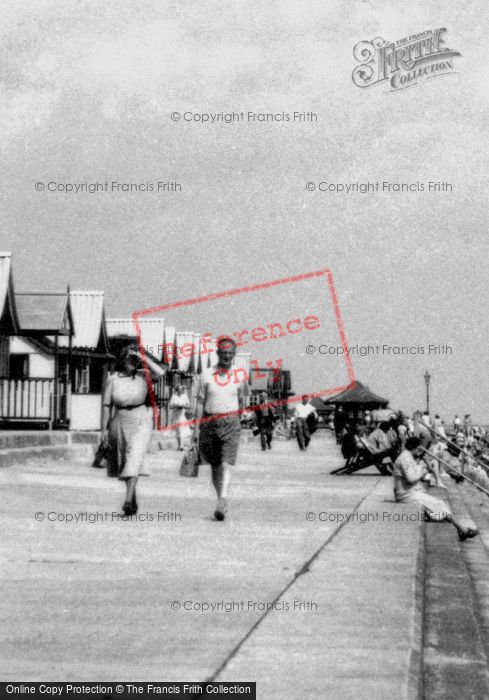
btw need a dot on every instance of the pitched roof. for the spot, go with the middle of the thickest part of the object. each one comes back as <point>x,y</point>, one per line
<point>8,311</point>
<point>152,332</point>
<point>87,309</point>
<point>319,404</point>
<point>359,393</point>
<point>44,314</point>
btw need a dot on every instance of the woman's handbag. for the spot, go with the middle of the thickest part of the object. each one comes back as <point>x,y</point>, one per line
<point>101,455</point>
<point>190,463</point>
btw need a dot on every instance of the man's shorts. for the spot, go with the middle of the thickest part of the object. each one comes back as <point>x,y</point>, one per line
<point>219,440</point>
<point>435,508</point>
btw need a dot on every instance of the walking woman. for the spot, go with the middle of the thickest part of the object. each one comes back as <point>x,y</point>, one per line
<point>127,423</point>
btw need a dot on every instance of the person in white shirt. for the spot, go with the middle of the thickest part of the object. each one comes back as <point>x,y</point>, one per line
<point>220,401</point>
<point>303,413</point>
<point>426,419</point>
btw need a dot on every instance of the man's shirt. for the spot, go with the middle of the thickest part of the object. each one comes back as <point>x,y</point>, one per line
<point>304,410</point>
<point>379,441</point>
<point>219,391</point>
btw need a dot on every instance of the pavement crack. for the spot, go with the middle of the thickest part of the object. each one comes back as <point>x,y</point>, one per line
<point>304,569</point>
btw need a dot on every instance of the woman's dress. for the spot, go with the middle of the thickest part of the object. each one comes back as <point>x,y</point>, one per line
<point>131,426</point>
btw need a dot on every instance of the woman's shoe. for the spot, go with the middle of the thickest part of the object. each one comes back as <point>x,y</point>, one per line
<point>134,505</point>
<point>127,508</point>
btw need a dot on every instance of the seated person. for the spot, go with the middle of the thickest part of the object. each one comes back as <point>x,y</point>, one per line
<point>381,448</point>
<point>408,487</point>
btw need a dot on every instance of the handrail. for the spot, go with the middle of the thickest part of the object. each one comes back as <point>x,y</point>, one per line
<point>467,478</point>
<point>454,444</point>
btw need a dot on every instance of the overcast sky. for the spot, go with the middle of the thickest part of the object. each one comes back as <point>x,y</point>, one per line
<point>88,89</point>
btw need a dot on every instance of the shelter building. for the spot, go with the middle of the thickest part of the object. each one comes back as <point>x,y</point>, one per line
<point>355,400</point>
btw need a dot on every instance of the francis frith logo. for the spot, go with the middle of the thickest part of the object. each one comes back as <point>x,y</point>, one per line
<point>403,63</point>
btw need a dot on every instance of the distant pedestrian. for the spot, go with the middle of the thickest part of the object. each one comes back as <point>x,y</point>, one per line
<point>426,419</point>
<point>266,418</point>
<point>439,428</point>
<point>304,413</point>
<point>220,392</point>
<point>340,420</point>
<point>179,405</point>
<point>456,424</point>
<point>367,420</point>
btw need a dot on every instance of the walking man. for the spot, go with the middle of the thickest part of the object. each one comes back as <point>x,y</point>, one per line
<point>220,399</point>
<point>304,413</point>
<point>265,421</point>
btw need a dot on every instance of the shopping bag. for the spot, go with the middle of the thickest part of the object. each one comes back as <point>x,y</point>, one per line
<point>100,461</point>
<point>189,465</point>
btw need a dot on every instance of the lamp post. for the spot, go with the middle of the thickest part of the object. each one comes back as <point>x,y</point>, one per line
<point>427,378</point>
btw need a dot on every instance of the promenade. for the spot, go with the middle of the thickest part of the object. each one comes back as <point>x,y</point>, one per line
<point>314,587</point>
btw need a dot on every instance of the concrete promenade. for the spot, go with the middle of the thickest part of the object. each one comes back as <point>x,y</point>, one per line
<point>313,587</point>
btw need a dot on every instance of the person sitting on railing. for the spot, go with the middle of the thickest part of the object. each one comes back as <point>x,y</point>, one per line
<point>409,471</point>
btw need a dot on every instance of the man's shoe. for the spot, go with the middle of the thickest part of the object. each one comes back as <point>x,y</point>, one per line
<point>462,536</point>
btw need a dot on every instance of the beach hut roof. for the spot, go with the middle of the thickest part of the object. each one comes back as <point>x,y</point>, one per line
<point>152,332</point>
<point>359,394</point>
<point>44,314</point>
<point>8,311</point>
<point>87,309</point>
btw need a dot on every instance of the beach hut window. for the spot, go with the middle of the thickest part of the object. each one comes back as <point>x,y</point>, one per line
<point>19,366</point>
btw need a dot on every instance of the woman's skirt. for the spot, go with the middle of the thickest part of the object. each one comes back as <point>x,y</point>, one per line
<point>129,436</point>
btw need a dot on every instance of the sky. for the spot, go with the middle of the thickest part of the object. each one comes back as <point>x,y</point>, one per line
<point>88,93</point>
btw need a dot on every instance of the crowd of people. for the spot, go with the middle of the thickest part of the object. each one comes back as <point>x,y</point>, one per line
<point>418,451</point>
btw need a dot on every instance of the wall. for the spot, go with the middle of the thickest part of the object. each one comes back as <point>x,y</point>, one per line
<point>86,412</point>
<point>40,364</point>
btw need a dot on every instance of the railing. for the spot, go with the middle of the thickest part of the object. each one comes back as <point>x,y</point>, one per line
<point>26,399</point>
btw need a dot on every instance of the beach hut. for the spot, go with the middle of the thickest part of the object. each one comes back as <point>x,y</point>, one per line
<point>37,391</point>
<point>85,358</point>
<point>9,322</point>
